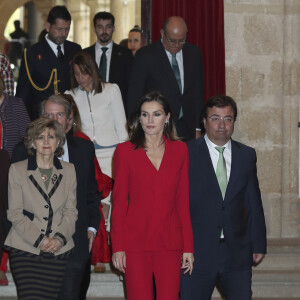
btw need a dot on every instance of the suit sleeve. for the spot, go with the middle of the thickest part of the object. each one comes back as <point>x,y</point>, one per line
<point>255,212</point>
<point>118,113</point>
<point>19,153</point>
<point>23,119</point>
<point>21,223</point>
<point>120,199</point>
<point>66,227</point>
<point>93,196</point>
<point>137,83</point>
<point>183,206</point>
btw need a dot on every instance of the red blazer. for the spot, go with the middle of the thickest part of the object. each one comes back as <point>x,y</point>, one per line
<point>150,206</point>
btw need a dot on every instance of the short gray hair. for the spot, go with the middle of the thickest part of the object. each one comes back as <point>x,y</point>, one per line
<point>58,99</point>
<point>36,127</point>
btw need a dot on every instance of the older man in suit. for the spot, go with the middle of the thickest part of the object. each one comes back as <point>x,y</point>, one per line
<point>81,153</point>
<point>53,52</point>
<point>113,60</point>
<point>173,67</point>
<point>226,208</point>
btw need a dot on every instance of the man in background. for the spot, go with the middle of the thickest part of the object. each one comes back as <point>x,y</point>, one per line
<point>113,60</point>
<point>53,52</point>
<point>173,67</point>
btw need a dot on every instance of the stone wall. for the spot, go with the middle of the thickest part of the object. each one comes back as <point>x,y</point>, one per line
<point>262,75</point>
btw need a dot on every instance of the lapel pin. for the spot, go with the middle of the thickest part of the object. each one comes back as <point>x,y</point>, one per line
<point>54,178</point>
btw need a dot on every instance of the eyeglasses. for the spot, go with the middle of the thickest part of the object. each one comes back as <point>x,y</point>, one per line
<point>227,120</point>
<point>174,42</point>
<point>58,115</point>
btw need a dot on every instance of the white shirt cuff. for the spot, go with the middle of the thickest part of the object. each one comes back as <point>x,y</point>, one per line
<point>93,230</point>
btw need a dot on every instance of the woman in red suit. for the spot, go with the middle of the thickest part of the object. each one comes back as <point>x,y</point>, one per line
<point>151,229</point>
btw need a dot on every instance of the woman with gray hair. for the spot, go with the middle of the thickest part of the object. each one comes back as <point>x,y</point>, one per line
<point>42,210</point>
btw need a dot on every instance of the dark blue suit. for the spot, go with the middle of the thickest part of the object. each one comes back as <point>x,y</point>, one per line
<point>240,215</point>
<point>41,60</point>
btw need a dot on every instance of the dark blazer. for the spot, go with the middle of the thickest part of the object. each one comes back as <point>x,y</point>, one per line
<point>158,208</point>
<point>81,154</point>
<point>120,67</point>
<point>152,70</point>
<point>4,163</point>
<point>240,214</point>
<point>41,60</point>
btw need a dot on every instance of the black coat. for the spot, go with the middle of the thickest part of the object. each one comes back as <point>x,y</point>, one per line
<point>41,61</point>
<point>81,154</point>
<point>152,70</point>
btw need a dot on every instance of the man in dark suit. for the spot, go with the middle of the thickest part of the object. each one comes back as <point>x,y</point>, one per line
<point>115,62</point>
<point>173,67</point>
<point>54,52</point>
<point>81,153</point>
<point>226,208</point>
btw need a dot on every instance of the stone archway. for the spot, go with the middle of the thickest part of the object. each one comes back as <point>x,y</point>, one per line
<point>7,7</point>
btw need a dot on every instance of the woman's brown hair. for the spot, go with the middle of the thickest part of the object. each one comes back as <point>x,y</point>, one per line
<point>87,65</point>
<point>135,130</point>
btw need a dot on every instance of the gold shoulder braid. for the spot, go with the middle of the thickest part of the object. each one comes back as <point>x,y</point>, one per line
<point>53,73</point>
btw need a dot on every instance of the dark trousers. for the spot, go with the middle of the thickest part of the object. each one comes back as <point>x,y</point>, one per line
<point>76,280</point>
<point>235,283</point>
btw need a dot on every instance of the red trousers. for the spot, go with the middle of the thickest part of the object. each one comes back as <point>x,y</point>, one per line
<point>141,266</point>
<point>3,266</point>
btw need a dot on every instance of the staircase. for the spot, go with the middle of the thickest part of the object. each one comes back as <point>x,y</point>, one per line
<point>276,278</point>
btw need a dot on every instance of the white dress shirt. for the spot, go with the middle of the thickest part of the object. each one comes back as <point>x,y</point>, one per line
<point>53,46</point>
<point>214,154</point>
<point>98,54</point>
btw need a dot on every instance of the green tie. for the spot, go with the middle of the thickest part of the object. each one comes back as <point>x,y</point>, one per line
<point>221,172</point>
<point>177,76</point>
<point>103,63</point>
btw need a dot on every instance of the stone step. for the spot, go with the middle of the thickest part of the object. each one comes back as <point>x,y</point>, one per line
<point>266,284</point>
<point>283,254</point>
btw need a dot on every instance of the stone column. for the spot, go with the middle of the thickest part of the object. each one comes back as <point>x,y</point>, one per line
<point>124,13</point>
<point>262,75</point>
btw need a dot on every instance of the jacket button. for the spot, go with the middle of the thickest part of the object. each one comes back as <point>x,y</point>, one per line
<point>45,218</point>
<point>219,227</point>
<point>223,207</point>
<point>46,206</point>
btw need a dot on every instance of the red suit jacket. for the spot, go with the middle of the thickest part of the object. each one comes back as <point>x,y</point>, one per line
<point>150,206</point>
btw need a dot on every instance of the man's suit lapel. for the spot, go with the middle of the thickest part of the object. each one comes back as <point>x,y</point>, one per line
<point>113,62</point>
<point>71,149</point>
<point>50,55</point>
<point>186,68</point>
<point>234,171</point>
<point>163,61</point>
<point>205,163</point>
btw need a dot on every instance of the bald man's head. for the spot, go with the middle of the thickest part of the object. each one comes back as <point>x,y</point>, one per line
<point>173,34</point>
